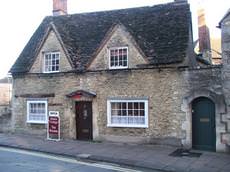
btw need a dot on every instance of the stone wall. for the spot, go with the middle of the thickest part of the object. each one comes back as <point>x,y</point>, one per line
<point>204,82</point>
<point>169,92</point>
<point>160,87</point>
<point>225,35</point>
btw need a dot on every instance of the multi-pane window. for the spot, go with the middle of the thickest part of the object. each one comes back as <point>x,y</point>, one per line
<point>118,58</point>
<point>127,113</point>
<point>51,62</point>
<point>36,111</point>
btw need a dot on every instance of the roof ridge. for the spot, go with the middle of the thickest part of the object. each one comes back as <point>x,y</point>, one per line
<point>175,4</point>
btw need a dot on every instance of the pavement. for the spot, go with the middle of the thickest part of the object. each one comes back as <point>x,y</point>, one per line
<point>156,157</point>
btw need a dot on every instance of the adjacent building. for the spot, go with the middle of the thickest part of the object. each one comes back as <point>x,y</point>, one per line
<point>5,104</point>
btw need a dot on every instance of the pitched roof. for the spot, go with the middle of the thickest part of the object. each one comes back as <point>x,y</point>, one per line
<point>225,16</point>
<point>161,31</point>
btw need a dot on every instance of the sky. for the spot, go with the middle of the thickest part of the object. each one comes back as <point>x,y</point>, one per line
<point>20,18</point>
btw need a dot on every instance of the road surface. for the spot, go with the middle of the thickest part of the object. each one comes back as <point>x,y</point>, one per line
<point>16,160</point>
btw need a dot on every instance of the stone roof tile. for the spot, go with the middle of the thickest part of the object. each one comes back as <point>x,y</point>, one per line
<point>161,31</point>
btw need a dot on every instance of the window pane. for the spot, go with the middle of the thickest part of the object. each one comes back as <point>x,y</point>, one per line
<point>124,63</point>
<point>136,105</point>
<point>120,52</point>
<point>116,53</point>
<point>135,112</point>
<point>112,63</point>
<point>113,112</point>
<point>142,105</point>
<point>124,51</point>
<point>53,56</point>
<point>119,112</point>
<point>142,113</point>
<point>113,105</point>
<point>118,105</point>
<point>116,60</point>
<point>125,57</point>
<point>124,112</point>
<point>120,62</point>
<point>130,105</point>
<point>130,112</point>
<point>124,105</point>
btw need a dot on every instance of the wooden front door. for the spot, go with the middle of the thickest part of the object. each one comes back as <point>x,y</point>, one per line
<point>84,120</point>
<point>203,124</point>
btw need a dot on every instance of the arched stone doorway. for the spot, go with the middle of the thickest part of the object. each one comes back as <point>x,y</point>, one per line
<point>220,110</point>
<point>203,124</point>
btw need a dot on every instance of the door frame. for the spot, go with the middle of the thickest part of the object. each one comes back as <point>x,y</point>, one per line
<point>186,124</point>
<point>212,118</point>
<point>91,122</point>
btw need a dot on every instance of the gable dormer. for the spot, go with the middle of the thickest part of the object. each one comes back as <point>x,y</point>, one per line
<point>119,51</point>
<point>51,57</point>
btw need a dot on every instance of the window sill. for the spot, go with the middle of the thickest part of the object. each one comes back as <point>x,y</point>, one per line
<point>120,67</point>
<point>51,72</point>
<point>127,126</point>
<point>36,122</point>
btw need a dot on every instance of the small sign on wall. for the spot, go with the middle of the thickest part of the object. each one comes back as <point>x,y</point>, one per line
<point>53,129</point>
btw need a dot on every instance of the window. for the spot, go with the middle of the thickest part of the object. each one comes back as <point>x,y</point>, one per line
<point>127,113</point>
<point>51,62</point>
<point>37,112</point>
<point>118,58</point>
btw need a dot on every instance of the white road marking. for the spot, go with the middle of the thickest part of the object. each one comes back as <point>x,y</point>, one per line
<point>69,160</point>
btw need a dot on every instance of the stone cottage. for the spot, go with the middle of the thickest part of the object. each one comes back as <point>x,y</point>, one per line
<point>126,75</point>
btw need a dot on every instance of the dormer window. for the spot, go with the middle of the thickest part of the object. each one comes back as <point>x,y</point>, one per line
<point>118,58</point>
<point>51,62</point>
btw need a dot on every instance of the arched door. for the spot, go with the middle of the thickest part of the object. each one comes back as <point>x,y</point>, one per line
<point>203,124</point>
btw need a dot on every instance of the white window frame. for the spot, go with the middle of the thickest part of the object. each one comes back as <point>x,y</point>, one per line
<point>28,111</point>
<point>109,124</point>
<point>44,62</point>
<point>118,67</point>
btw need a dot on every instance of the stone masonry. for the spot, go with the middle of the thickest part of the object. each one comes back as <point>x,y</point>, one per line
<point>225,35</point>
<point>170,91</point>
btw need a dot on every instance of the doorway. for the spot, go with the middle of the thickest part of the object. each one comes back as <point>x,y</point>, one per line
<point>84,121</point>
<point>203,124</point>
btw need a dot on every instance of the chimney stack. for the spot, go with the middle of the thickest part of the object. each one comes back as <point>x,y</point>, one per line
<point>203,31</point>
<point>59,7</point>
